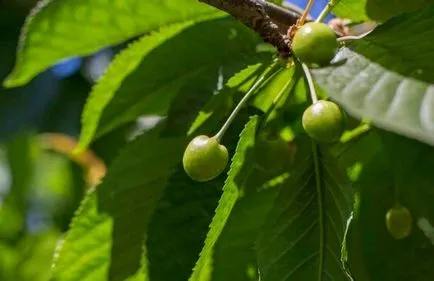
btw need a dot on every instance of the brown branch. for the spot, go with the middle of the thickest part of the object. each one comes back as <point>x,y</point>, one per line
<point>284,18</point>
<point>268,20</point>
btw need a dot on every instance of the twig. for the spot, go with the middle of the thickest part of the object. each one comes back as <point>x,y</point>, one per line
<point>262,17</point>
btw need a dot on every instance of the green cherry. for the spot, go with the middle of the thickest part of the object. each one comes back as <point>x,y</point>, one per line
<point>324,121</point>
<point>399,222</point>
<point>315,44</point>
<point>205,158</point>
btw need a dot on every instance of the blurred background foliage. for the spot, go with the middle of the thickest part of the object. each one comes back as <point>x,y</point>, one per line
<point>41,182</point>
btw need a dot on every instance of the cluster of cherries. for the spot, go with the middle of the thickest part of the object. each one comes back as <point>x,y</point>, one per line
<point>314,44</point>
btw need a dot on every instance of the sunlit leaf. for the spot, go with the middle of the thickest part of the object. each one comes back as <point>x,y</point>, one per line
<point>158,75</point>
<point>57,30</point>
<point>106,237</point>
<point>387,76</point>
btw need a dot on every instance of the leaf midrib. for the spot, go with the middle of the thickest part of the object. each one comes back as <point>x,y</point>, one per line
<point>320,199</point>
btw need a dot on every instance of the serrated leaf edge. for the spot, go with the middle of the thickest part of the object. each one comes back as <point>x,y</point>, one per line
<point>217,222</point>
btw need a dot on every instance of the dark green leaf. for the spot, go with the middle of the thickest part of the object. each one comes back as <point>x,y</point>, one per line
<point>56,30</point>
<point>400,173</point>
<point>388,77</point>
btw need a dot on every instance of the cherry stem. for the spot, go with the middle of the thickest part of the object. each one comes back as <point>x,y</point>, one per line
<point>327,9</point>
<point>354,37</point>
<point>244,100</point>
<point>305,13</point>
<point>309,79</point>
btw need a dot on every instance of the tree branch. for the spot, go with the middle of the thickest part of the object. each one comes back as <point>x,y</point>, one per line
<point>284,18</point>
<point>267,19</point>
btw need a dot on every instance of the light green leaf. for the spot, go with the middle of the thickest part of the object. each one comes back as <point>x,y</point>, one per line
<point>401,172</point>
<point>223,102</point>
<point>351,9</point>
<point>56,29</point>
<point>122,66</point>
<point>106,237</point>
<point>387,78</point>
<point>268,92</point>
<point>159,75</point>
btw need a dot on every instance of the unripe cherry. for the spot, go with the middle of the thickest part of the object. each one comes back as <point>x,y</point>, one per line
<point>205,158</point>
<point>399,222</point>
<point>324,121</point>
<point>315,44</point>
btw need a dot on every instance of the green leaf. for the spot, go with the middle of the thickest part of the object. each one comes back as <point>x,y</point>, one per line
<point>304,230</point>
<point>383,10</point>
<point>160,75</point>
<point>122,66</point>
<point>351,9</point>
<point>35,255</point>
<point>106,237</point>
<point>21,165</point>
<point>186,210</point>
<point>228,249</point>
<point>387,78</point>
<point>248,194</point>
<point>352,252</point>
<point>400,173</point>
<point>115,217</point>
<point>268,92</point>
<point>223,102</point>
<point>56,30</point>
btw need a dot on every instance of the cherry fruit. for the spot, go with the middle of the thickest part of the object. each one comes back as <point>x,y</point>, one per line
<point>315,44</point>
<point>324,121</point>
<point>399,222</point>
<point>205,158</point>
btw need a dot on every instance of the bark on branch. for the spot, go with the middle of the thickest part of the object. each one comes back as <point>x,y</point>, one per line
<point>267,19</point>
